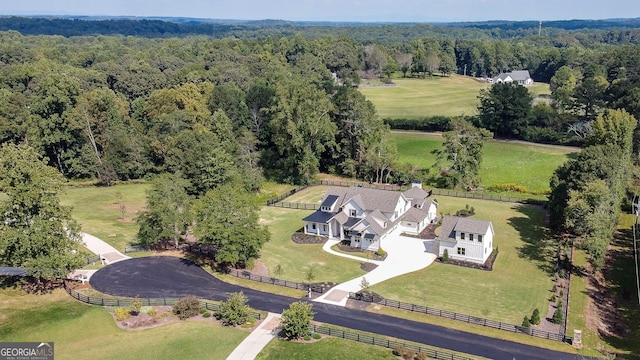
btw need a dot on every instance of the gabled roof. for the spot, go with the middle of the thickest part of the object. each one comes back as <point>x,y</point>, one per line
<point>329,201</point>
<point>415,215</point>
<point>452,224</point>
<point>415,193</point>
<point>368,199</point>
<point>517,75</point>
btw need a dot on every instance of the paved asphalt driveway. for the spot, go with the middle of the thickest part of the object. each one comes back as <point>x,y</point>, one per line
<point>163,276</point>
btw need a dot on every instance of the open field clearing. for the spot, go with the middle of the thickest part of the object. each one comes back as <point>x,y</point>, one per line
<point>503,162</point>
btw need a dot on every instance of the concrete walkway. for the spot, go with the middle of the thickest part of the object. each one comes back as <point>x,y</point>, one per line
<point>404,255</point>
<point>108,255</point>
<point>251,346</point>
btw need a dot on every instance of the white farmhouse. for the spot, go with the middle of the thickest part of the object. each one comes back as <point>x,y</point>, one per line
<point>365,216</point>
<point>521,77</point>
<point>466,239</point>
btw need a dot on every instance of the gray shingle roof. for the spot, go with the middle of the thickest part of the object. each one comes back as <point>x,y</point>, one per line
<point>319,217</point>
<point>415,215</point>
<point>452,224</point>
<point>415,193</point>
<point>329,200</point>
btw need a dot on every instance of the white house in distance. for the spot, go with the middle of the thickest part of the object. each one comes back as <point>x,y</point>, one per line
<point>521,77</point>
<point>466,239</point>
<point>366,216</point>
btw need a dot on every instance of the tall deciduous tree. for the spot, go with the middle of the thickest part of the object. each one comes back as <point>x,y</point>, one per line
<point>168,214</point>
<point>227,218</point>
<point>461,154</point>
<point>504,109</point>
<point>301,130</point>
<point>36,232</point>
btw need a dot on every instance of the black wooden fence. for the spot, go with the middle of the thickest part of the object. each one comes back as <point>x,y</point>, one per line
<point>391,344</point>
<point>460,317</point>
<point>243,274</point>
<point>116,302</point>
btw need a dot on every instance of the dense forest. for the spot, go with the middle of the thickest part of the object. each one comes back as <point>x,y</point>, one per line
<point>120,108</point>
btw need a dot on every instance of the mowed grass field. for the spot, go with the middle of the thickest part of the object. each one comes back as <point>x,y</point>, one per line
<point>519,282</point>
<point>412,98</point>
<point>81,331</point>
<point>447,96</point>
<point>97,209</point>
<point>525,164</point>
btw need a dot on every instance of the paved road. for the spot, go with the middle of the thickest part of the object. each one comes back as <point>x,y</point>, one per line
<point>162,276</point>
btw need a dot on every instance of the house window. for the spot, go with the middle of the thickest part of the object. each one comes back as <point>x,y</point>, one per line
<point>313,226</point>
<point>462,236</point>
<point>353,212</point>
<point>479,238</point>
<point>461,251</point>
<point>324,227</point>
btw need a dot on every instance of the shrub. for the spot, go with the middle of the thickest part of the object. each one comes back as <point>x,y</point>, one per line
<point>535,317</point>
<point>203,310</point>
<point>153,312</point>
<point>554,288</point>
<point>122,313</point>
<point>561,293</point>
<point>557,315</point>
<point>552,298</point>
<point>526,323</point>
<point>135,306</point>
<point>508,187</point>
<point>445,255</point>
<point>307,338</point>
<point>409,355</point>
<point>206,314</point>
<point>381,252</point>
<point>235,310</point>
<point>317,336</point>
<point>187,307</point>
<point>295,321</point>
<point>422,356</point>
<point>399,350</point>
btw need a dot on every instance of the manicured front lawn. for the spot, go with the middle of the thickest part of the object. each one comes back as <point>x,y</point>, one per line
<point>98,210</point>
<point>295,259</point>
<point>81,331</point>
<point>519,283</point>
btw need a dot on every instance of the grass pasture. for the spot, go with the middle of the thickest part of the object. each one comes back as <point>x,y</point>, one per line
<point>413,98</point>
<point>519,283</point>
<point>446,96</point>
<point>98,211</point>
<point>82,331</point>
<point>524,164</point>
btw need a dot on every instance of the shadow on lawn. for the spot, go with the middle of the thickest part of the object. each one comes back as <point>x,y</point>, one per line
<point>536,237</point>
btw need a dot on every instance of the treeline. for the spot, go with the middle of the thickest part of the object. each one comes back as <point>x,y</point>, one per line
<point>587,32</point>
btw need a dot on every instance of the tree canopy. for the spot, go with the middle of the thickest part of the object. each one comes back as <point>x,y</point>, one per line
<point>36,232</point>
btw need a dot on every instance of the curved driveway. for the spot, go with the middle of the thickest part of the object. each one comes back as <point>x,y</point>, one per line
<point>160,276</point>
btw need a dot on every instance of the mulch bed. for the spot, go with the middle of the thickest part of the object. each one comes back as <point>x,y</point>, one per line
<point>302,238</point>
<point>488,265</point>
<point>347,248</point>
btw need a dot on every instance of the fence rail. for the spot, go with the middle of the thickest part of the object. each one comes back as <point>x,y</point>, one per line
<point>391,344</point>
<point>94,300</point>
<point>273,281</point>
<point>460,317</point>
<point>299,206</point>
<point>483,196</point>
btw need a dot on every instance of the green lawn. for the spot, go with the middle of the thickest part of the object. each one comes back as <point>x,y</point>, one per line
<point>97,209</point>
<point>412,98</point>
<point>519,283</point>
<point>310,195</point>
<point>81,331</point>
<point>327,348</point>
<point>502,162</point>
<point>447,96</point>
<point>295,259</point>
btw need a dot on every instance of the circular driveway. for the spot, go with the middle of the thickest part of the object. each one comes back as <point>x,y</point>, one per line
<point>166,276</point>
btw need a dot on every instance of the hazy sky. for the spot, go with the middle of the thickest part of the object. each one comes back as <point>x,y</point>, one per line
<point>336,10</point>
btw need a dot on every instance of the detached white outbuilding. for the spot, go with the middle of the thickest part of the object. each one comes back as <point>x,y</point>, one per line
<point>466,239</point>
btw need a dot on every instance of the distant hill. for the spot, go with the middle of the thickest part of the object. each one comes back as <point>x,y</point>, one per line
<point>219,28</point>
